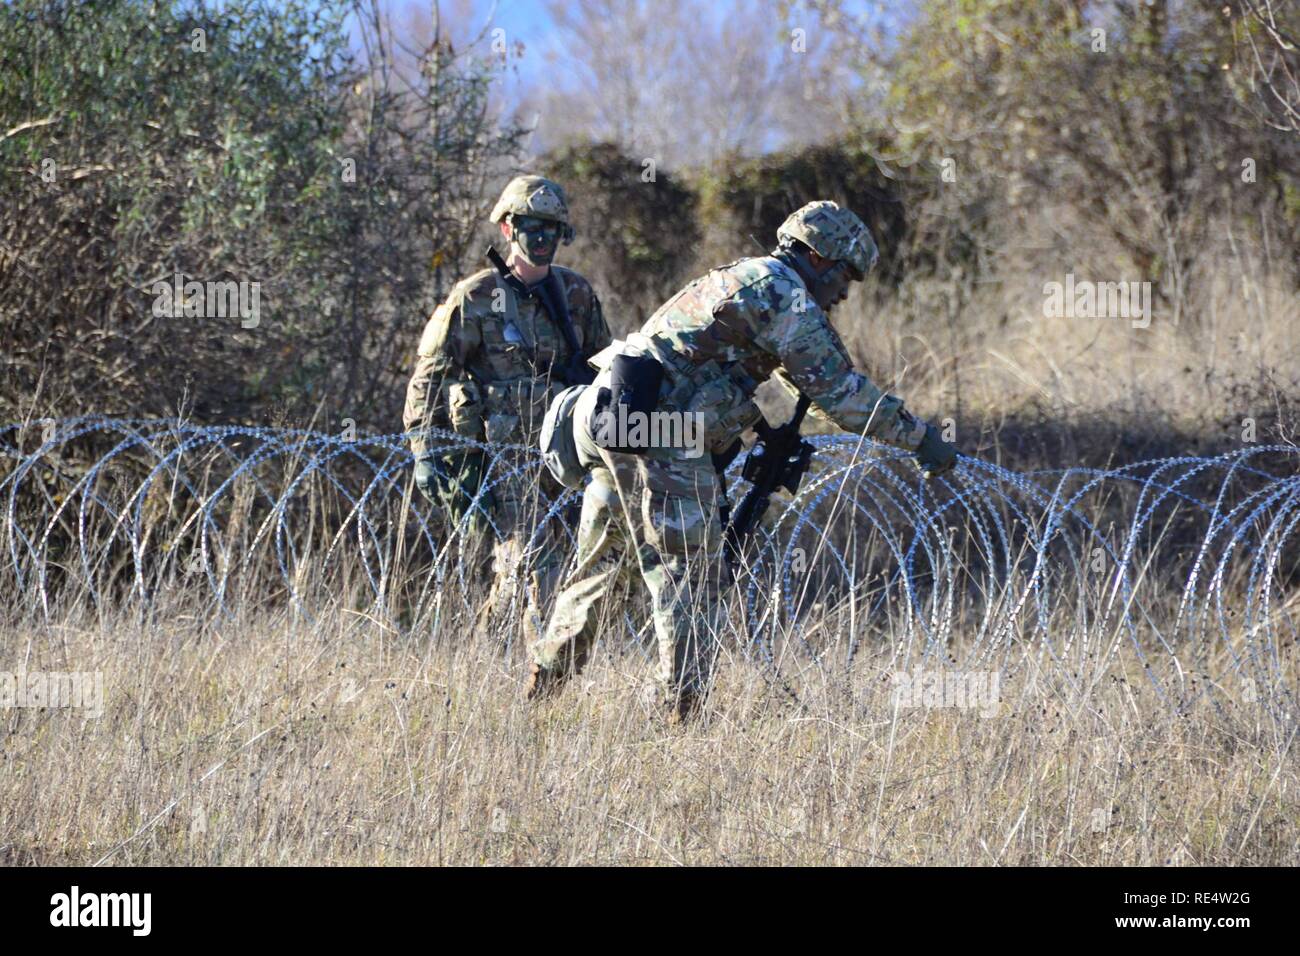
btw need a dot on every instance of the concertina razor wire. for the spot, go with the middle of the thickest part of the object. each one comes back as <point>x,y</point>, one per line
<point>1185,566</point>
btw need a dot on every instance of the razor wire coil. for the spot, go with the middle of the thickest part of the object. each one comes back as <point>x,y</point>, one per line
<point>1196,567</point>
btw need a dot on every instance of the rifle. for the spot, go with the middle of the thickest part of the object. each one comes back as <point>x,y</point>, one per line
<point>575,370</point>
<point>778,460</point>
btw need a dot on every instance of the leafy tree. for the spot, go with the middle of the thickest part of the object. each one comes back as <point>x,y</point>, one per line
<point>229,142</point>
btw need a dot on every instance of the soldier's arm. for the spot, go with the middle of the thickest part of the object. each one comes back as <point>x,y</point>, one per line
<point>815,362</point>
<point>584,305</point>
<point>598,328</point>
<point>441,393</point>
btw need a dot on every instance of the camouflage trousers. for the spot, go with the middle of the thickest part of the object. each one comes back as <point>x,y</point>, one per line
<point>523,550</point>
<point>659,518</point>
<point>511,548</point>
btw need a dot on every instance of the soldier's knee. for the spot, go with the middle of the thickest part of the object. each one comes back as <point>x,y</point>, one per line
<point>598,500</point>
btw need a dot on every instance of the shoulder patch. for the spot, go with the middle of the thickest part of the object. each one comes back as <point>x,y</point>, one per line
<point>435,330</point>
<point>484,293</point>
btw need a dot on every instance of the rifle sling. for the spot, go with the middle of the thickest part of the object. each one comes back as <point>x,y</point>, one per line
<point>556,303</point>
<point>550,292</point>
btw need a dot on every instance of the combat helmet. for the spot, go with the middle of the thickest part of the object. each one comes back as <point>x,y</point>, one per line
<point>833,233</point>
<point>532,196</point>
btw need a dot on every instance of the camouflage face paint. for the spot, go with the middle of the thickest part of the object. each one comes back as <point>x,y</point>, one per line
<point>536,239</point>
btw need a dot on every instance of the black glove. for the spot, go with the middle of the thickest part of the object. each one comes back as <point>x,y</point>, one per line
<point>934,456</point>
<point>722,459</point>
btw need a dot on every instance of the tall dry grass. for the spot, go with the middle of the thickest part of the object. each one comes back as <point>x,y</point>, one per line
<point>1221,348</point>
<point>264,739</point>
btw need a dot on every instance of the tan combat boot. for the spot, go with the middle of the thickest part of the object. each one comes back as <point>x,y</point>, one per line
<point>539,683</point>
<point>542,681</point>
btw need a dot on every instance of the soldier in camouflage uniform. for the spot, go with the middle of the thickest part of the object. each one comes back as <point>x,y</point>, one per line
<point>717,339</point>
<point>490,360</point>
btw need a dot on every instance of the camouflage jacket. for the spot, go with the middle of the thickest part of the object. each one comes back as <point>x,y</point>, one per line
<point>730,329</point>
<point>486,360</point>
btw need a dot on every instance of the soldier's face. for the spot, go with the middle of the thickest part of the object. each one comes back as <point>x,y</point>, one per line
<point>536,239</point>
<point>833,285</point>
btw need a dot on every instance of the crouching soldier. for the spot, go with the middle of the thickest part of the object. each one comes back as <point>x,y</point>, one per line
<point>712,343</point>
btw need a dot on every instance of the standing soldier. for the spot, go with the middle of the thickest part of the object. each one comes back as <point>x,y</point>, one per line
<point>494,353</point>
<point>715,341</point>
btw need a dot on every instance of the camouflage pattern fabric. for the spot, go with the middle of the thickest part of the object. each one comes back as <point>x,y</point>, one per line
<point>673,538</point>
<point>834,233</point>
<point>484,371</point>
<point>753,318</point>
<point>521,549</point>
<point>532,196</point>
<point>485,360</point>
<point>718,338</point>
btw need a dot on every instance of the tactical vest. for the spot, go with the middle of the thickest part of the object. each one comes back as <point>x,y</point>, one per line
<point>721,394</point>
<point>515,401</point>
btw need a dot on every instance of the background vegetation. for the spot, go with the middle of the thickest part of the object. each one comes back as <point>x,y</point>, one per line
<point>345,153</point>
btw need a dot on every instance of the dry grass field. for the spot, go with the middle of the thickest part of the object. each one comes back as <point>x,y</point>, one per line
<point>265,740</point>
<point>1076,649</point>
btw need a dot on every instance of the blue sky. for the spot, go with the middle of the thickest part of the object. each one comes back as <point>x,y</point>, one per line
<point>545,64</point>
<point>531,19</point>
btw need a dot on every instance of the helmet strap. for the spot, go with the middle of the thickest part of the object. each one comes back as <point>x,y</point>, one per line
<point>795,255</point>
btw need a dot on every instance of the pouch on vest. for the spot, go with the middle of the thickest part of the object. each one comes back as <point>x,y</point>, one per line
<point>621,421</point>
<point>465,409</point>
<point>556,441</point>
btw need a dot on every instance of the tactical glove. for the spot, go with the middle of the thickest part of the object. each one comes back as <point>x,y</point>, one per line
<point>425,476</point>
<point>934,456</point>
<point>452,481</point>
